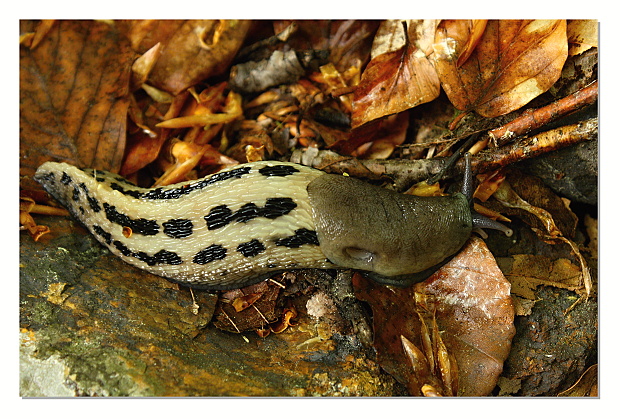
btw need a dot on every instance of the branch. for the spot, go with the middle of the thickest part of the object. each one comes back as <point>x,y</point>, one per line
<point>404,173</point>
<point>532,119</point>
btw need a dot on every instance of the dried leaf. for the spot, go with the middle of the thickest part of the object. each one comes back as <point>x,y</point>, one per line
<point>28,223</point>
<point>477,30</point>
<point>232,110</point>
<point>514,62</point>
<point>469,299</point>
<point>348,41</point>
<point>390,36</point>
<point>550,233</point>
<point>143,65</point>
<point>192,50</point>
<point>286,321</point>
<point>245,301</point>
<point>582,35</point>
<point>528,272</point>
<point>392,134</point>
<point>489,183</point>
<point>73,96</point>
<point>393,82</point>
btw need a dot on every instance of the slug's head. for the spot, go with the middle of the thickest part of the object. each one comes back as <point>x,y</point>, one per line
<point>389,235</point>
<point>396,239</point>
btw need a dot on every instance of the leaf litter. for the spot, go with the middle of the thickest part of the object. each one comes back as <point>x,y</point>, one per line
<point>347,86</point>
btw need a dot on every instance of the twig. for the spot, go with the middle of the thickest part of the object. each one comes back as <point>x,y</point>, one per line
<point>536,145</point>
<point>404,173</point>
<point>533,119</point>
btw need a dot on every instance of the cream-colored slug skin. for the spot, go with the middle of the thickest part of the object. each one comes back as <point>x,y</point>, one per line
<point>227,230</point>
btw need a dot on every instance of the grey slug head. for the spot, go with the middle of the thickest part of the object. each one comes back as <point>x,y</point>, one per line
<point>397,239</point>
<point>361,226</point>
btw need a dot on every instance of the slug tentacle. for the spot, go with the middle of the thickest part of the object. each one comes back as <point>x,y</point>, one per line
<point>479,221</point>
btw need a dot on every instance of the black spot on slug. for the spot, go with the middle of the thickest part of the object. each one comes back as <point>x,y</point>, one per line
<point>221,215</point>
<point>83,186</point>
<point>123,180</point>
<point>178,228</point>
<point>211,253</point>
<point>122,248</point>
<point>302,236</point>
<point>276,207</point>
<point>218,217</point>
<point>246,213</point>
<point>76,193</point>
<point>65,179</point>
<point>49,177</point>
<point>162,257</point>
<point>139,226</point>
<point>82,210</point>
<point>93,203</point>
<point>277,170</point>
<point>132,193</point>
<point>175,193</point>
<point>106,236</point>
<point>251,248</point>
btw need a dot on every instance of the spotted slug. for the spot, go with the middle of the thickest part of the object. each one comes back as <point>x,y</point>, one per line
<point>243,224</point>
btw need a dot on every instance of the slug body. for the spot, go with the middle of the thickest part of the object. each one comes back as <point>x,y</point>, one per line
<point>239,226</point>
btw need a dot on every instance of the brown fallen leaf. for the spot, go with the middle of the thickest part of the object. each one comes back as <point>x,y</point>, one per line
<point>582,35</point>
<point>392,134</point>
<point>395,81</point>
<point>192,50</point>
<point>348,41</point>
<point>549,232</point>
<point>73,96</point>
<point>527,272</point>
<point>514,62</point>
<point>469,301</point>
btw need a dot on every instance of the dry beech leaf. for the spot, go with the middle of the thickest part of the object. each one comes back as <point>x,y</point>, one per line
<point>348,41</point>
<point>141,68</point>
<point>395,81</point>
<point>549,233</point>
<point>390,36</point>
<point>392,134</point>
<point>477,30</point>
<point>192,50</point>
<point>527,272</point>
<point>582,35</point>
<point>514,62</point>
<point>469,300</point>
<point>73,96</point>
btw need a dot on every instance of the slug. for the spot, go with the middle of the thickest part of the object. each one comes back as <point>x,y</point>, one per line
<point>243,224</point>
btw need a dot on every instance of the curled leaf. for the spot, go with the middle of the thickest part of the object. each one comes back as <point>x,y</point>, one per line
<point>513,62</point>
<point>550,233</point>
